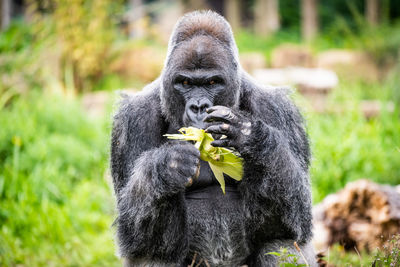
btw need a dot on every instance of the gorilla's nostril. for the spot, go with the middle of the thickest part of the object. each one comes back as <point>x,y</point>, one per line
<point>204,107</point>
<point>194,108</point>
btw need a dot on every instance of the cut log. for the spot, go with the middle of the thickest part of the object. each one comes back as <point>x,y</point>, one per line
<point>362,215</point>
<point>290,55</point>
<point>314,84</point>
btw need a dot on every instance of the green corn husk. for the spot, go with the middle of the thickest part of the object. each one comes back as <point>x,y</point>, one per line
<point>221,160</point>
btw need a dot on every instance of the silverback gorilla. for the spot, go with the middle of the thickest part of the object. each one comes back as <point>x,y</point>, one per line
<point>165,216</point>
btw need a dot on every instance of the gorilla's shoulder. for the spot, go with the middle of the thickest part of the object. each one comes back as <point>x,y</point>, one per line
<point>141,108</point>
<point>146,101</point>
<point>272,103</point>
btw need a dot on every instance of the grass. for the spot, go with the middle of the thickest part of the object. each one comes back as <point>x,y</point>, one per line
<point>347,146</point>
<point>56,202</point>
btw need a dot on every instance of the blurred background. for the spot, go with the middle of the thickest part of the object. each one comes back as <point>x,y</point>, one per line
<point>62,62</point>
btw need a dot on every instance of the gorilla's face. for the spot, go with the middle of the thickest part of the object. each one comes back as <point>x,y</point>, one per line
<point>201,73</point>
<point>198,89</point>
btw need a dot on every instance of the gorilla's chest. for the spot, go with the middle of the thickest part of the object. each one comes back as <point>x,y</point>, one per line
<point>206,186</point>
<point>216,221</point>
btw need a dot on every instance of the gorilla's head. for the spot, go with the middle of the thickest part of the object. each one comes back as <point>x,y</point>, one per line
<point>201,69</point>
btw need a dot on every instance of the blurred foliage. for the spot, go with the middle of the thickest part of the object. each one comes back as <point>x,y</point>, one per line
<point>86,31</point>
<point>329,11</point>
<point>71,44</point>
<point>346,146</point>
<point>21,60</point>
<point>385,44</point>
<point>56,206</point>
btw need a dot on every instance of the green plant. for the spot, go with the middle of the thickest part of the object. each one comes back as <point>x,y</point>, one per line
<point>286,259</point>
<point>336,255</point>
<point>389,255</point>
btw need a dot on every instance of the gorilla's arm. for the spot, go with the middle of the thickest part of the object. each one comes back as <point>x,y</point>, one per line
<point>269,134</point>
<point>149,182</point>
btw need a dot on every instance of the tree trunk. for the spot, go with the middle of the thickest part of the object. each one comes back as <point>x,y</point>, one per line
<point>309,19</point>
<point>232,13</point>
<point>136,13</point>
<point>266,15</point>
<point>6,9</point>
<point>372,8</point>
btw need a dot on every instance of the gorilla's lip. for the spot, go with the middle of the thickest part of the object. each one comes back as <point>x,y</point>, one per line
<point>188,122</point>
<point>196,124</point>
<point>200,125</point>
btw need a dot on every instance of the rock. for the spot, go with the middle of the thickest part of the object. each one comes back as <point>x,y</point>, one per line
<point>362,215</point>
<point>314,79</point>
<point>290,55</point>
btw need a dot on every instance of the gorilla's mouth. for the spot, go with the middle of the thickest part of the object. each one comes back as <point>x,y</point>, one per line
<point>188,122</point>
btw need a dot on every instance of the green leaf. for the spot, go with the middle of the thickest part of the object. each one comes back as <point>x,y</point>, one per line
<point>221,160</point>
<point>219,175</point>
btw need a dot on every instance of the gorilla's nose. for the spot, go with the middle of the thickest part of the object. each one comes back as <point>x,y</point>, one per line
<point>196,111</point>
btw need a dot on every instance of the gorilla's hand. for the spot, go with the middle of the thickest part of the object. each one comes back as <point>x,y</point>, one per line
<point>225,121</point>
<point>180,164</point>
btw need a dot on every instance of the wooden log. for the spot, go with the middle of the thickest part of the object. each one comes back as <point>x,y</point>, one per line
<point>363,215</point>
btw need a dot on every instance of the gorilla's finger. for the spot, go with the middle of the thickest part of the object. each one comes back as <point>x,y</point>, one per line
<point>221,143</point>
<point>187,148</point>
<point>212,123</point>
<point>223,128</point>
<point>224,115</point>
<point>185,168</point>
<point>214,108</point>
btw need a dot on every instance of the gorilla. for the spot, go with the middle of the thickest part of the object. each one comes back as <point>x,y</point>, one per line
<point>166,217</point>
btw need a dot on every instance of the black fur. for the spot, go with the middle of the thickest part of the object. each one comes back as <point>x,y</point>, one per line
<point>163,223</point>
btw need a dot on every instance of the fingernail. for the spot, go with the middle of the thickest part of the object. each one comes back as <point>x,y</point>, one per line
<point>189,182</point>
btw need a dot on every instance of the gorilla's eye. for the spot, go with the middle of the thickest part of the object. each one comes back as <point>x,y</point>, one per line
<point>185,84</point>
<point>215,81</point>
